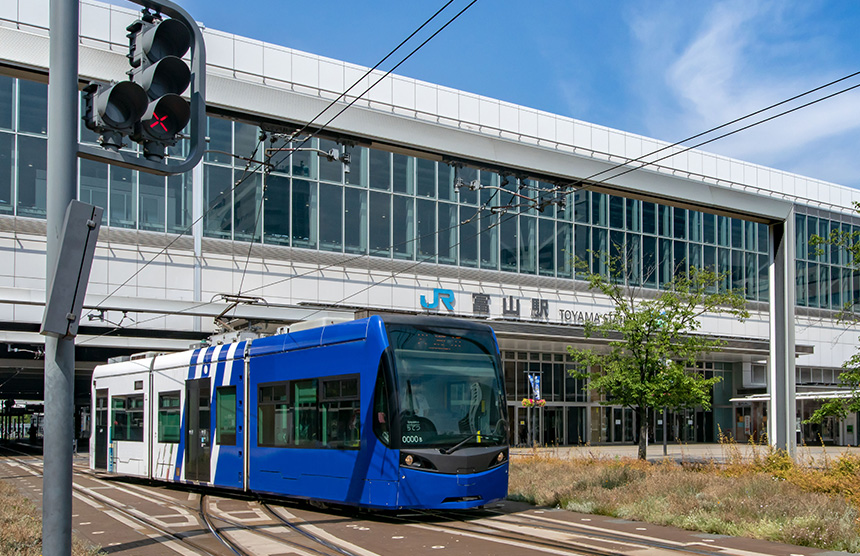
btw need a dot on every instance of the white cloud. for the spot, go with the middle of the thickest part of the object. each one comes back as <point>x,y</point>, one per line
<point>738,57</point>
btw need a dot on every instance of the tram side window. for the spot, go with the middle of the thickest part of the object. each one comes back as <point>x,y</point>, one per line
<point>305,401</point>
<point>380,409</point>
<point>127,418</point>
<point>168,417</point>
<point>311,413</point>
<point>225,414</point>
<point>274,416</point>
<point>340,413</point>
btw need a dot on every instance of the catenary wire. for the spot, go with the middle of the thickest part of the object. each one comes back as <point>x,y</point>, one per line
<point>627,171</point>
<point>262,164</point>
<point>645,163</point>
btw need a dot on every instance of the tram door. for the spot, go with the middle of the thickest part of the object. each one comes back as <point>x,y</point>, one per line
<point>198,442</point>
<point>100,428</point>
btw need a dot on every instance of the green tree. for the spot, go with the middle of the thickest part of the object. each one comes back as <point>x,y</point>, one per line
<point>849,378</point>
<point>653,343</point>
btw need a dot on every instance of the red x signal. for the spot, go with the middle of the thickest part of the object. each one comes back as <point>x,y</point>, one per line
<point>158,121</point>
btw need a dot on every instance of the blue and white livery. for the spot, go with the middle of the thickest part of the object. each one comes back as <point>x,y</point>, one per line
<point>384,412</point>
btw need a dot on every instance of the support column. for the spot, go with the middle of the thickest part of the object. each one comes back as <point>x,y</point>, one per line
<point>781,384</point>
<point>197,209</point>
<point>62,187</point>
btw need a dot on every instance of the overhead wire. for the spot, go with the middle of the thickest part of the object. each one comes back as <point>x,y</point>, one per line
<point>622,165</point>
<point>262,164</point>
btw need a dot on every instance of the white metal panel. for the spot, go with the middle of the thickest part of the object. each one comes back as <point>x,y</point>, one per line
<point>248,56</point>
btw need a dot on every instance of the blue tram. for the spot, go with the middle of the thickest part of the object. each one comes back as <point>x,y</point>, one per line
<point>385,412</point>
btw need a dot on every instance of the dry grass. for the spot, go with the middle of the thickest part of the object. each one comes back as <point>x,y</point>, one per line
<point>766,496</point>
<point>21,527</point>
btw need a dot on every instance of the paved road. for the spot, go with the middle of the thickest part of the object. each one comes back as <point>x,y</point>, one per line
<point>504,529</point>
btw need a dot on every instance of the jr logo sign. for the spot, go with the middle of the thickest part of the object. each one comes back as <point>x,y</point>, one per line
<point>439,294</point>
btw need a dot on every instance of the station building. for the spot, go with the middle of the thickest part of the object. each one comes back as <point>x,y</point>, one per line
<point>437,212</point>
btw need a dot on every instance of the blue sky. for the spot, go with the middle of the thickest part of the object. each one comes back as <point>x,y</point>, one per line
<point>663,68</point>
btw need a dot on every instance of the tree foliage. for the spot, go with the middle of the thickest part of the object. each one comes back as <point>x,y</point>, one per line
<point>654,342</point>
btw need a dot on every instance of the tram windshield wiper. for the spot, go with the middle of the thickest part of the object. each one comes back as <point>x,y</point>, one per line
<point>462,443</point>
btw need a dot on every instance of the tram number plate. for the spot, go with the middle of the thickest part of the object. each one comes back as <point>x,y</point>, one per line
<point>413,426</point>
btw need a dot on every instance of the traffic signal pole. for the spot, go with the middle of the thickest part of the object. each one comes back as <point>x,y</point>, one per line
<point>62,185</point>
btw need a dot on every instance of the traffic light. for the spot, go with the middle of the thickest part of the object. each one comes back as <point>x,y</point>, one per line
<point>149,108</point>
<point>156,47</point>
<point>113,110</point>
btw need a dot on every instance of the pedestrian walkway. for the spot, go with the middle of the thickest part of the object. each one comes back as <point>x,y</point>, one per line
<point>719,453</point>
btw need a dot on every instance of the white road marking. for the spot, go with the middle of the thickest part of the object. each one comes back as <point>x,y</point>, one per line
<point>326,535</point>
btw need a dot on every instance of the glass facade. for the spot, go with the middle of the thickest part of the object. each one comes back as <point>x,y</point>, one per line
<point>396,206</point>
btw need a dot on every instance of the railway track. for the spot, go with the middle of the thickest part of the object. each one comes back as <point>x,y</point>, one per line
<point>221,526</point>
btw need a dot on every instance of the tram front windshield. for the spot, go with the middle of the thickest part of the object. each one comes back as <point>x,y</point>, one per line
<point>449,387</point>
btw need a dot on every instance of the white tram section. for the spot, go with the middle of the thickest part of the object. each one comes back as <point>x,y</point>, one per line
<point>137,391</point>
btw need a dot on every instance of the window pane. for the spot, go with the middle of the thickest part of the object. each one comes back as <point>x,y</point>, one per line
<point>763,278</point>
<point>582,247</point>
<point>508,242</point>
<point>403,173</point>
<point>276,214</point>
<point>331,211</point>
<point>179,209</point>
<point>737,233</point>
<point>32,176</point>
<point>598,209</point>
<point>489,240</point>
<point>426,224</point>
<point>546,247</point>
<point>304,400</point>
<point>330,170</point>
<point>358,162</point>
<point>467,194</point>
<point>6,87</point>
<point>751,282</point>
<point>649,218</point>
<point>528,244</point>
<point>380,224</point>
<point>580,207</point>
<point>633,215</point>
<point>217,186</point>
<point>247,206</point>
<point>616,212</point>
<point>634,260</point>
<point>680,218</point>
<point>695,223</point>
<point>32,107</point>
<point>303,163</point>
<point>225,415</point>
<point>723,231</point>
<point>123,201</point>
<point>664,221</point>
<point>304,214</point>
<point>355,220</point>
<point>6,176</point>
<point>403,227</point>
<point>737,272</point>
<point>709,228</point>
<point>666,266</point>
<point>445,180</point>
<point>564,250</point>
<point>426,178</point>
<point>468,237</point>
<point>380,170</point>
<point>649,261</point>
<point>800,281</point>
<point>168,417</point>
<point>449,231</point>
<point>94,183</point>
<point>151,201</point>
<point>221,139</point>
<point>247,141</point>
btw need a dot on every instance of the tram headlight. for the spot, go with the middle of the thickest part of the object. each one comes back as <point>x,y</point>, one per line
<point>500,458</point>
<point>408,460</point>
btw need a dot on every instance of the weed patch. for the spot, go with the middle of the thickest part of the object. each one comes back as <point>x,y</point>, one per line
<point>766,497</point>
